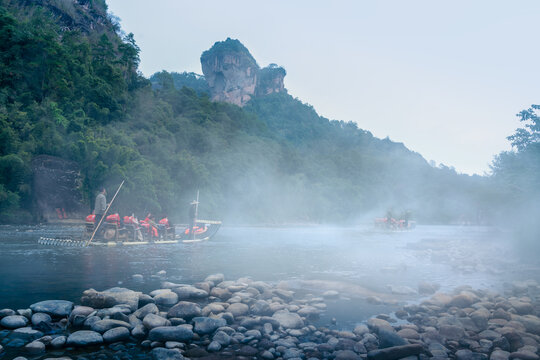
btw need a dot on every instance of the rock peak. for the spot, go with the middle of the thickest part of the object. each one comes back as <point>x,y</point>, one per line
<point>234,76</point>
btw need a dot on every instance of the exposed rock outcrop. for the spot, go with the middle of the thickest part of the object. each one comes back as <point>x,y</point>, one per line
<point>234,76</point>
<point>83,15</point>
<point>57,184</point>
<point>270,80</point>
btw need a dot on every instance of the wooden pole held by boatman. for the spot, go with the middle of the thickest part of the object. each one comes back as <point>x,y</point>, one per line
<point>104,214</point>
<point>196,214</point>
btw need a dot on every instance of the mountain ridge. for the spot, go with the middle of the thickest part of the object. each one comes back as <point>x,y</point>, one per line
<point>273,160</point>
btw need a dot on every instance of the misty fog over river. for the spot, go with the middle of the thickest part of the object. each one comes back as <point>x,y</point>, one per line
<point>359,262</point>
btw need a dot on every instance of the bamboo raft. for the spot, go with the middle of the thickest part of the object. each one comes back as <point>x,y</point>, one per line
<point>128,234</point>
<point>210,229</point>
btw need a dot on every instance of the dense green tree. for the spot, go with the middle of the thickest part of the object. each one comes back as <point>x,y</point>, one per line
<point>516,175</point>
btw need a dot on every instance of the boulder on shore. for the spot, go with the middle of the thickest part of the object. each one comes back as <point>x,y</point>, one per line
<point>14,321</point>
<point>171,333</point>
<point>160,353</point>
<point>116,334</point>
<point>395,352</point>
<point>111,297</point>
<point>288,320</point>
<point>205,325</point>
<point>54,308</point>
<point>185,310</point>
<point>84,338</point>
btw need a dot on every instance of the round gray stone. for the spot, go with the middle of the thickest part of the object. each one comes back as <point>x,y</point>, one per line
<point>215,278</point>
<point>190,292</point>
<point>139,331</point>
<point>205,325</point>
<point>261,307</point>
<point>288,320</point>
<point>14,321</point>
<point>38,318</point>
<point>6,312</point>
<point>390,338</point>
<point>409,334</point>
<point>102,326</point>
<point>214,346</point>
<point>116,334</point>
<point>145,310</point>
<point>35,347</point>
<point>185,310</point>
<point>84,338</point>
<point>347,355</point>
<point>166,298</point>
<point>54,308</point>
<point>160,353</point>
<point>293,353</point>
<point>222,338</point>
<point>238,309</point>
<point>212,308</point>
<point>171,333</point>
<point>27,313</point>
<point>151,321</point>
<point>26,333</point>
<point>58,342</point>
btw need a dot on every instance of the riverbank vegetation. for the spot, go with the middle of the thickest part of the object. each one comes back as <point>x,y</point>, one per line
<point>516,175</point>
<point>75,93</point>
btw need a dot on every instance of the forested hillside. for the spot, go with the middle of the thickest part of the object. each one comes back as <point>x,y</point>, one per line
<point>516,174</point>
<point>69,88</point>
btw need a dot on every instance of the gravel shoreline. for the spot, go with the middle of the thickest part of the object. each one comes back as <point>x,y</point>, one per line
<point>247,319</point>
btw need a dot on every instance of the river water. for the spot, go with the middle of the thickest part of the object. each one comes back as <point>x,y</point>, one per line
<point>356,261</point>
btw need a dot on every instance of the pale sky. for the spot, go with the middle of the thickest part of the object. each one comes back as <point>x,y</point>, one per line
<point>446,78</point>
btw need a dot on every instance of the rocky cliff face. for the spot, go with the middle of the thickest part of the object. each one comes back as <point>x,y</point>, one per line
<point>234,76</point>
<point>270,80</point>
<point>86,16</point>
<point>57,184</point>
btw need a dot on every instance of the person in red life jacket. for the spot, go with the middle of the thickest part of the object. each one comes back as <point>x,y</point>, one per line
<point>150,225</point>
<point>163,226</point>
<point>131,223</point>
<point>164,221</point>
<point>149,217</point>
<point>131,220</point>
<point>113,219</point>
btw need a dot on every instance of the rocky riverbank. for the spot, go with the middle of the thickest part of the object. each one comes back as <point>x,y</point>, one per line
<point>247,319</point>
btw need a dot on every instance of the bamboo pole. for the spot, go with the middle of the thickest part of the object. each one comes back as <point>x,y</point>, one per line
<point>196,215</point>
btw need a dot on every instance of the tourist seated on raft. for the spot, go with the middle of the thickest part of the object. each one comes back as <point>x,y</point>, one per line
<point>150,226</point>
<point>131,220</point>
<point>165,227</point>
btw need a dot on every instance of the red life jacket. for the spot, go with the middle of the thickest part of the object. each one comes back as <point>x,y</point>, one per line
<point>164,221</point>
<point>149,229</point>
<point>91,218</point>
<point>113,219</point>
<point>196,230</point>
<point>130,220</point>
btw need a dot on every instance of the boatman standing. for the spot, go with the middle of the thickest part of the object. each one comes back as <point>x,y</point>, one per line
<point>100,205</point>
<point>192,219</point>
